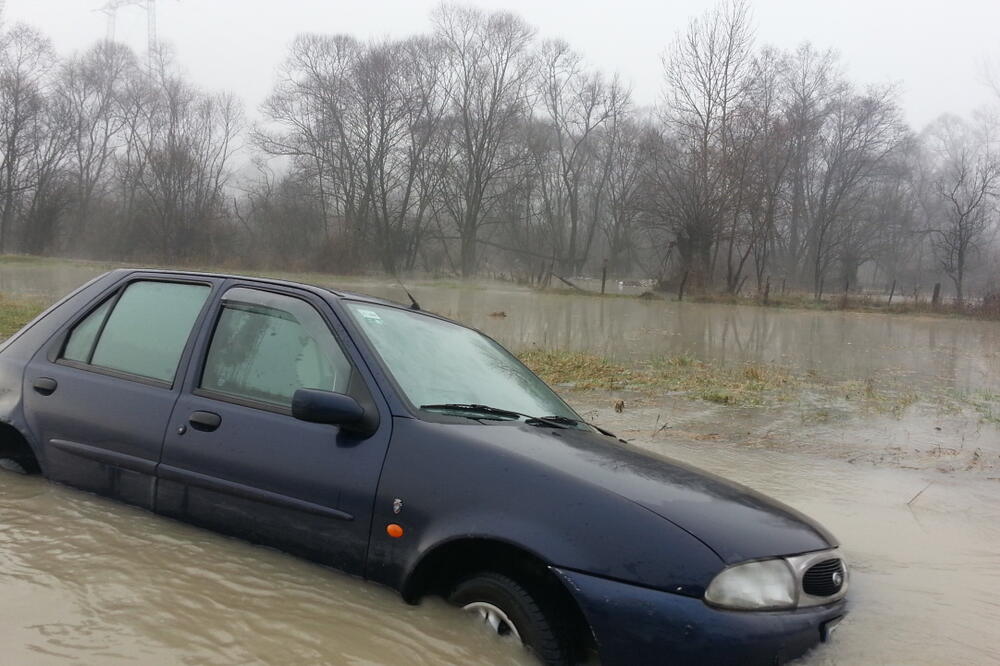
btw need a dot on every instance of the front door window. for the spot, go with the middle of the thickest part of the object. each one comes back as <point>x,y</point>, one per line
<point>266,346</point>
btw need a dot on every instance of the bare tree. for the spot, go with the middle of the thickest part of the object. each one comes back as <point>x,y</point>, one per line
<point>862,133</point>
<point>966,183</point>
<point>625,148</point>
<point>362,121</point>
<point>309,112</point>
<point>813,82</point>
<point>90,88</point>
<point>47,186</point>
<point>758,162</point>
<point>707,73</point>
<point>26,61</point>
<point>185,140</point>
<point>578,104</point>
<point>402,102</point>
<point>490,56</point>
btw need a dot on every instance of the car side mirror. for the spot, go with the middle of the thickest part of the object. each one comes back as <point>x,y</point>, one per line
<point>316,406</point>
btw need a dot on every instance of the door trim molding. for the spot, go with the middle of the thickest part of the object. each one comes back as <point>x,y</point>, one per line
<point>247,492</point>
<point>101,455</point>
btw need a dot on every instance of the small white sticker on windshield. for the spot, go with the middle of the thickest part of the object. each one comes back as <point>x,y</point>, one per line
<point>370,315</point>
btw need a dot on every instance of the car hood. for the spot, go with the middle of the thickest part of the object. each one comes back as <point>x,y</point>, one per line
<point>734,521</point>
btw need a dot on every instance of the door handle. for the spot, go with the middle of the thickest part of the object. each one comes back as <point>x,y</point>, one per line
<point>45,385</point>
<point>205,421</point>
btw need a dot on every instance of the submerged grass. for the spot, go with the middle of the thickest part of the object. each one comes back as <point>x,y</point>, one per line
<point>879,399</point>
<point>749,384</point>
<point>986,404</point>
<point>578,370</point>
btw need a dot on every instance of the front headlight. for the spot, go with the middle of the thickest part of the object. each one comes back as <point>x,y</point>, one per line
<point>766,585</point>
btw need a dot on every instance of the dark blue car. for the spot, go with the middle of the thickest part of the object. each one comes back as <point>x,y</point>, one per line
<point>414,452</point>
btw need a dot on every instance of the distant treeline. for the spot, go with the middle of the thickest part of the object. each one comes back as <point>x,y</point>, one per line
<point>482,147</point>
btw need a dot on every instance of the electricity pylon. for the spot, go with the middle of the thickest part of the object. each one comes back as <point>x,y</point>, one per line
<point>111,10</point>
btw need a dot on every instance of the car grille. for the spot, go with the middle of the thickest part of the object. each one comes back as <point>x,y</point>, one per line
<point>824,579</point>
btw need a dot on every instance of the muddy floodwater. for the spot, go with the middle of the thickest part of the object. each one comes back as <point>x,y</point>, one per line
<point>913,493</point>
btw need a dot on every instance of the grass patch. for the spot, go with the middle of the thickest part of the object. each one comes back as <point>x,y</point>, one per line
<point>877,399</point>
<point>15,312</point>
<point>749,384</point>
<point>577,370</point>
<point>986,404</point>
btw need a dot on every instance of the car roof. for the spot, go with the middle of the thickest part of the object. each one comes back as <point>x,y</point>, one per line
<point>324,291</point>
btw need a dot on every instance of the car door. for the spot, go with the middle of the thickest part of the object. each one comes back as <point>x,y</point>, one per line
<point>235,459</point>
<point>98,396</point>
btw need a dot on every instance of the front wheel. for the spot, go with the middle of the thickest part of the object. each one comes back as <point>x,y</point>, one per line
<point>511,611</point>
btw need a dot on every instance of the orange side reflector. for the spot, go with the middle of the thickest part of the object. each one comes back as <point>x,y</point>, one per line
<point>394,530</point>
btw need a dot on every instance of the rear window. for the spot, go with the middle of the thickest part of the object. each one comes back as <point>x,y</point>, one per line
<point>142,333</point>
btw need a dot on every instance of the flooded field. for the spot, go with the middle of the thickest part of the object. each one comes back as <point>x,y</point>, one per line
<point>912,491</point>
<point>926,351</point>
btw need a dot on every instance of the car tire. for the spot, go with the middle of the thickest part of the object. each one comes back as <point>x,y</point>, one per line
<point>11,465</point>
<point>528,614</point>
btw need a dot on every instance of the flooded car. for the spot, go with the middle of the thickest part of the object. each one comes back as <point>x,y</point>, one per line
<point>416,453</point>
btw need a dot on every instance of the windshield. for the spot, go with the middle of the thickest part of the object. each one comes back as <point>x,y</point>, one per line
<point>436,362</point>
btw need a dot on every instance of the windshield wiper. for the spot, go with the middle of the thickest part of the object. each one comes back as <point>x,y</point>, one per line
<point>571,421</point>
<point>479,409</point>
<point>565,420</point>
<point>552,421</point>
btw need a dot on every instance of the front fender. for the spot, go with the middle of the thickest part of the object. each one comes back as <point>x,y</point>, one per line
<point>452,484</point>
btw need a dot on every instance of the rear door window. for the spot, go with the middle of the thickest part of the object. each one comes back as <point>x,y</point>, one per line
<point>266,346</point>
<point>142,333</point>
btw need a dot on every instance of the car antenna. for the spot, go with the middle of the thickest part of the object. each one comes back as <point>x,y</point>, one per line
<point>413,302</point>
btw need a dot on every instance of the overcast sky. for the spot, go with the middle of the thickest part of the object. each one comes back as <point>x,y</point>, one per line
<point>933,50</point>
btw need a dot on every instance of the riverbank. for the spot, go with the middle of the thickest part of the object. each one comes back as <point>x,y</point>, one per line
<point>982,309</point>
<point>871,303</point>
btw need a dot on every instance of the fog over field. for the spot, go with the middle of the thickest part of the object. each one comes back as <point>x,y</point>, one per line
<point>729,147</point>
